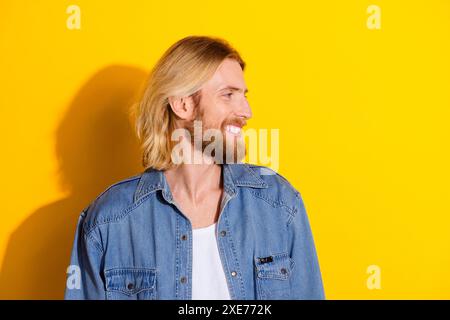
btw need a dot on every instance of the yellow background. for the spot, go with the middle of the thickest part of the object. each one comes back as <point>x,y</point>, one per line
<point>363,118</point>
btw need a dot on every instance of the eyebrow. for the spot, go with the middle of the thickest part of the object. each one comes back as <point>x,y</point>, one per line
<point>233,89</point>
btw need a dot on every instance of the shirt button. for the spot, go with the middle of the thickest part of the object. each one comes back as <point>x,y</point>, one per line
<point>130,286</point>
<point>283,271</point>
<point>223,233</point>
<point>233,273</point>
<point>183,237</point>
<point>183,279</point>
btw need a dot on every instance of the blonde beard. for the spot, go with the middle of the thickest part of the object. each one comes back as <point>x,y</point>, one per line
<point>236,146</point>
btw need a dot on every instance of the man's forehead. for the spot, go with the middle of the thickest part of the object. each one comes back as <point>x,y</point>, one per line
<point>229,75</point>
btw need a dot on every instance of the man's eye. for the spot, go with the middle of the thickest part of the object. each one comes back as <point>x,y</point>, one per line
<point>229,94</point>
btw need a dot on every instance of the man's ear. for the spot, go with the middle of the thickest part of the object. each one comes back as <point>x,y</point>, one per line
<point>183,107</point>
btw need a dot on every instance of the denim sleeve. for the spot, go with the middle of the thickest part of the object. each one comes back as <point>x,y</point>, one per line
<point>306,275</point>
<point>84,279</point>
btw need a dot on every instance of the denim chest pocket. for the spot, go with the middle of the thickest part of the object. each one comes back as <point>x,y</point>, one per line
<point>273,273</point>
<point>130,284</point>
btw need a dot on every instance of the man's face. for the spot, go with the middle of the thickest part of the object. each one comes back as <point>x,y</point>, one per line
<point>224,106</point>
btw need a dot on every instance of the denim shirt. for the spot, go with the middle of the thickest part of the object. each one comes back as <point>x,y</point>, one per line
<point>133,242</point>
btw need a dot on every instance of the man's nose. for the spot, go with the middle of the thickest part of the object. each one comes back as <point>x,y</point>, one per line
<point>244,109</point>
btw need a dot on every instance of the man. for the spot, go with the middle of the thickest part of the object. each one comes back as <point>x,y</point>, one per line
<point>187,229</point>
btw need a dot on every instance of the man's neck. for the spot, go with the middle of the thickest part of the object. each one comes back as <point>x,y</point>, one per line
<point>194,181</point>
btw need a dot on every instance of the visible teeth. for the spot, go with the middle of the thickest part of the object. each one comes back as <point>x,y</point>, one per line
<point>233,129</point>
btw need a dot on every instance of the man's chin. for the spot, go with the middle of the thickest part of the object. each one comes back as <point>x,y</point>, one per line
<point>234,152</point>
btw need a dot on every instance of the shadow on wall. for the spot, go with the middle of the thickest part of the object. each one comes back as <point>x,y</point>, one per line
<point>95,147</point>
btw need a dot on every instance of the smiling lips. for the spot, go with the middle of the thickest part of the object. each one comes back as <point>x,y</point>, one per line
<point>235,126</point>
<point>233,129</point>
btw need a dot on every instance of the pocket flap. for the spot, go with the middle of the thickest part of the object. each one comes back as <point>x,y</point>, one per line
<point>274,266</point>
<point>130,280</point>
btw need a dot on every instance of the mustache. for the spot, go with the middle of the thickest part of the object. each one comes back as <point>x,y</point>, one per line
<point>237,122</point>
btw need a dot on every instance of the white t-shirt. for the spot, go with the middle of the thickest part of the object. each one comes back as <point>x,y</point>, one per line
<point>208,276</point>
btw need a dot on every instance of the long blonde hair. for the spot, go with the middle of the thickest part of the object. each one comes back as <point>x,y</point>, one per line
<point>180,72</point>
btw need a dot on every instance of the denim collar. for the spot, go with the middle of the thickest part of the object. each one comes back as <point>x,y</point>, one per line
<point>235,175</point>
